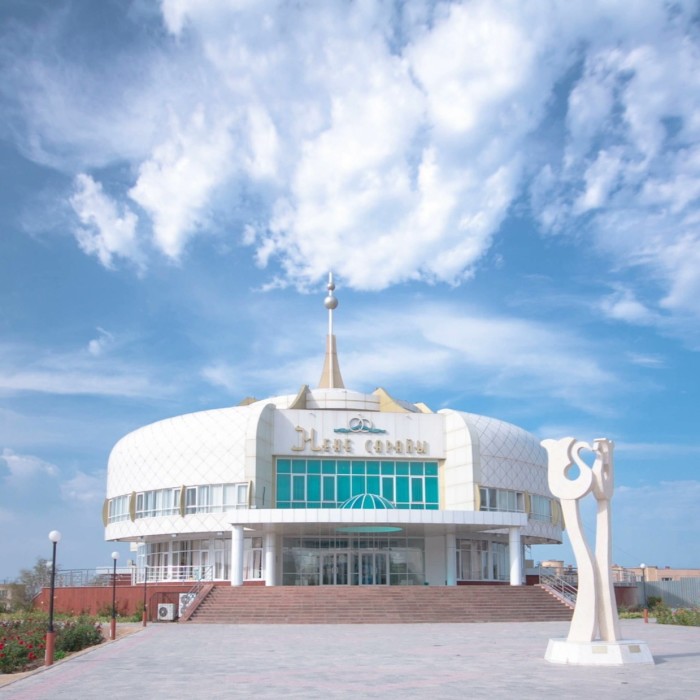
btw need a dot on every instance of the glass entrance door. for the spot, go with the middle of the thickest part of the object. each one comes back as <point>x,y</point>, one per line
<point>367,568</point>
<point>334,569</point>
<point>373,568</point>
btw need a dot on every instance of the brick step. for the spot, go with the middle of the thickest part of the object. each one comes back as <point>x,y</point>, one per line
<point>395,604</point>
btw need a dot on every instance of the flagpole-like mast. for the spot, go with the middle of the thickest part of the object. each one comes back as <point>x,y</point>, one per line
<point>330,377</point>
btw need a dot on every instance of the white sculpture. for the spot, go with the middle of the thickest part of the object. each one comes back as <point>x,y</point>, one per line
<point>594,635</point>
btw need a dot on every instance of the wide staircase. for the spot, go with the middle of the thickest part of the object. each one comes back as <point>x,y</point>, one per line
<point>377,604</point>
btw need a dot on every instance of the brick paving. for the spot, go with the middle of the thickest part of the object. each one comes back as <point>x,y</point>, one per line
<point>493,660</point>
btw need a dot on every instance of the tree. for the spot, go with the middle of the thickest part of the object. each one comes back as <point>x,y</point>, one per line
<point>30,582</point>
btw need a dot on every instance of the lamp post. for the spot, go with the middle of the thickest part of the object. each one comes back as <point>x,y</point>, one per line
<point>113,627</point>
<point>55,537</point>
<point>643,567</point>
<point>145,593</point>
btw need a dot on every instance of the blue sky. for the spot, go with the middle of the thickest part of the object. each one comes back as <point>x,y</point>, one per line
<point>508,194</point>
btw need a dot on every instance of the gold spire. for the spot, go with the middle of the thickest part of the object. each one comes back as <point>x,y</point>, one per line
<point>330,377</point>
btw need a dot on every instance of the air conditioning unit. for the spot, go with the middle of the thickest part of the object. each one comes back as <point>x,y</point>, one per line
<point>185,600</point>
<point>166,612</point>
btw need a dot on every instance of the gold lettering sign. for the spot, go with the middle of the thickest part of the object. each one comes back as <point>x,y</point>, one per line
<point>309,440</point>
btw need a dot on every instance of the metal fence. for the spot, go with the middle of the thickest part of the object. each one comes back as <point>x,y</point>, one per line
<point>676,594</point>
<point>128,576</point>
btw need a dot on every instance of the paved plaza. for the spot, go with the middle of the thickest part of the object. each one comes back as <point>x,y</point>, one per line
<point>498,660</point>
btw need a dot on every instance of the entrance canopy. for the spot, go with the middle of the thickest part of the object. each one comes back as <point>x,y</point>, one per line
<point>344,520</point>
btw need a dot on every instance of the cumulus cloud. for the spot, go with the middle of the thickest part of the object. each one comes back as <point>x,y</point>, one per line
<point>623,305</point>
<point>386,141</point>
<point>176,182</point>
<point>107,229</point>
<point>24,468</point>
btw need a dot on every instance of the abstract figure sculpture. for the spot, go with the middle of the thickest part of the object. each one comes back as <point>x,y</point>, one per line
<point>594,635</point>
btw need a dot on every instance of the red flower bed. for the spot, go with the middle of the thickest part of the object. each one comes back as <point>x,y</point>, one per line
<point>21,643</point>
<point>23,640</point>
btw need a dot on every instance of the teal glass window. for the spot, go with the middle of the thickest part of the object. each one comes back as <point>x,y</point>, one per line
<point>329,483</point>
<point>283,488</point>
<point>401,489</point>
<point>373,485</point>
<point>313,487</point>
<point>298,488</point>
<point>329,488</point>
<point>343,488</point>
<point>358,485</point>
<point>388,488</point>
<point>431,490</point>
<point>417,490</point>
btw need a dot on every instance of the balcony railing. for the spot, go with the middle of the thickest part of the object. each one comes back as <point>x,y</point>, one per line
<point>129,576</point>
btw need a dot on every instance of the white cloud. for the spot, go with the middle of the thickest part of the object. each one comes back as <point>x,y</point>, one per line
<point>622,305</point>
<point>98,345</point>
<point>175,183</point>
<point>386,141</point>
<point>669,506</point>
<point>444,347</point>
<point>631,165</point>
<point>26,369</point>
<point>24,468</point>
<point>84,488</point>
<point>655,450</point>
<point>108,230</point>
<point>645,360</point>
<point>222,375</point>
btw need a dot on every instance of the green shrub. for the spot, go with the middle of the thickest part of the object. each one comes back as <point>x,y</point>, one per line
<point>75,635</point>
<point>653,601</point>
<point>681,616</point>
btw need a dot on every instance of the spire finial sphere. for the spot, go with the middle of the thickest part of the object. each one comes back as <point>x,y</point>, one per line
<point>330,302</point>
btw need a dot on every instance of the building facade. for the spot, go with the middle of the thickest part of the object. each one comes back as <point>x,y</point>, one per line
<point>331,487</point>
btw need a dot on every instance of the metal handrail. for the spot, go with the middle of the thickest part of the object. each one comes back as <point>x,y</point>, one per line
<point>564,586</point>
<point>191,595</point>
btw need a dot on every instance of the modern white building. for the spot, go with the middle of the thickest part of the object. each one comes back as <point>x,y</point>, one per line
<point>331,487</point>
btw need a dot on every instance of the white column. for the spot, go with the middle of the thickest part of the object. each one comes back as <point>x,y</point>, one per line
<point>270,549</point>
<point>451,556</point>
<point>516,556</point>
<point>237,555</point>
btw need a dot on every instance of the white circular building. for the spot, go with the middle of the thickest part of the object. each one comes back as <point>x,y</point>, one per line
<point>330,487</point>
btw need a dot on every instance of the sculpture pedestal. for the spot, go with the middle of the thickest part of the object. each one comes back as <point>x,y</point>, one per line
<point>598,653</point>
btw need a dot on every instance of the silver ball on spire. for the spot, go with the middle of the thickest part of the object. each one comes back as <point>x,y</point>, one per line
<point>330,302</point>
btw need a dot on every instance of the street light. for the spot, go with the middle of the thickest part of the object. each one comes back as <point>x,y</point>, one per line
<point>643,567</point>
<point>113,627</point>
<point>145,594</point>
<point>55,537</point>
